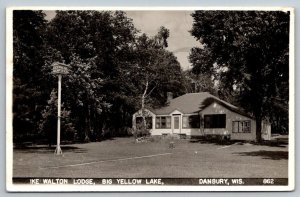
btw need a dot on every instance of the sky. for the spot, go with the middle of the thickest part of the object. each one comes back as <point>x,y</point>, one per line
<point>178,22</point>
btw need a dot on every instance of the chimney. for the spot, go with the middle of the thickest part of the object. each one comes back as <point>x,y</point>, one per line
<point>169,96</point>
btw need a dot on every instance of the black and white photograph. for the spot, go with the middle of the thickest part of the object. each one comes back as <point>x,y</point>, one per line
<point>150,99</point>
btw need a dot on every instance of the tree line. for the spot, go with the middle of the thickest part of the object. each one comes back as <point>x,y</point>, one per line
<point>116,70</point>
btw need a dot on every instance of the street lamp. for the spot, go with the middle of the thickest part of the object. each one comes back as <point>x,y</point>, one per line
<point>59,69</point>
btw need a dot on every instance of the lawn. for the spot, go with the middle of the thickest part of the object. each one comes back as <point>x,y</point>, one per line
<point>124,158</point>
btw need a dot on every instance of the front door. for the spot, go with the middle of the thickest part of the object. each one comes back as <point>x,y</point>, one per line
<point>176,123</point>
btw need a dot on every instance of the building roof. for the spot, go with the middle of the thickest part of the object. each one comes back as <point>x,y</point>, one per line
<point>193,103</point>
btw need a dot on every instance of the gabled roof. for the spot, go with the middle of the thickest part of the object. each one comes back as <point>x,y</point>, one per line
<point>194,103</point>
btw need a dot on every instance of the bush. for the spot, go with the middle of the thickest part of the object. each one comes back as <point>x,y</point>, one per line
<point>141,131</point>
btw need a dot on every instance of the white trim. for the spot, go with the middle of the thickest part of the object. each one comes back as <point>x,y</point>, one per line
<point>173,123</point>
<point>176,111</point>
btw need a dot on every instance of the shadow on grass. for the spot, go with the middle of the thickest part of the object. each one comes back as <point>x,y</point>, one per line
<point>273,155</point>
<point>49,149</point>
<point>212,141</point>
<point>273,143</point>
<point>215,141</point>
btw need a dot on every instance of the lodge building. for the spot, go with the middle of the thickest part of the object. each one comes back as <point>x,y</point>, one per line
<point>201,114</point>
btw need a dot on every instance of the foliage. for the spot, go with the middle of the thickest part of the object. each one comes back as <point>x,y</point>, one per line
<point>109,64</point>
<point>201,82</point>
<point>96,45</point>
<point>245,51</point>
<point>141,130</point>
<point>153,61</point>
<point>29,90</point>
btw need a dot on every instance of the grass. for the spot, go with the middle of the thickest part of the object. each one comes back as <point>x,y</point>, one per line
<point>122,157</point>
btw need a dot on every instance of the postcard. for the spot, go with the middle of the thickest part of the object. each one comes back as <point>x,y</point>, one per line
<point>150,99</point>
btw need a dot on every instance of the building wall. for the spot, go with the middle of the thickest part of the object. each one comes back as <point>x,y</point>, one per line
<point>215,108</point>
<point>161,131</point>
<point>193,132</point>
<point>188,132</point>
<point>147,113</point>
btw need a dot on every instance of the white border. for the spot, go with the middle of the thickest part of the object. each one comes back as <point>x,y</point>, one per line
<point>132,8</point>
<point>9,110</point>
<point>114,188</point>
<point>292,148</point>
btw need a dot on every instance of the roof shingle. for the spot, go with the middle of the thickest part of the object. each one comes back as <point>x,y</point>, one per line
<point>191,103</point>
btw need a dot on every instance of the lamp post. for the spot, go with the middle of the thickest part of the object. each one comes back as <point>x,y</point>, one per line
<point>59,69</point>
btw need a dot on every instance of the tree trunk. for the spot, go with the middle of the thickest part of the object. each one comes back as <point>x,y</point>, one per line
<point>143,104</point>
<point>258,129</point>
<point>87,126</point>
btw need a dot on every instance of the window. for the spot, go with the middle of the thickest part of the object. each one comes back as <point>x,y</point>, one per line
<point>246,126</point>
<point>241,126</point>
<point>185,122</point>
<point>139,122</point>
<point>192,121</point>
<point>163,122</point>
<point>215,121</point>
<point>157,122</point>
<point>168,125</point>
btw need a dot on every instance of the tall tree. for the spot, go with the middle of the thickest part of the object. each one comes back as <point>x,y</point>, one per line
<point>246,50</point>
<point>98,46</point>
<point>156,71</point>
<point>28,85</point>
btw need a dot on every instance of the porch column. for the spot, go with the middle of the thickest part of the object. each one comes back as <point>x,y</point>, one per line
<point>201,119</point>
